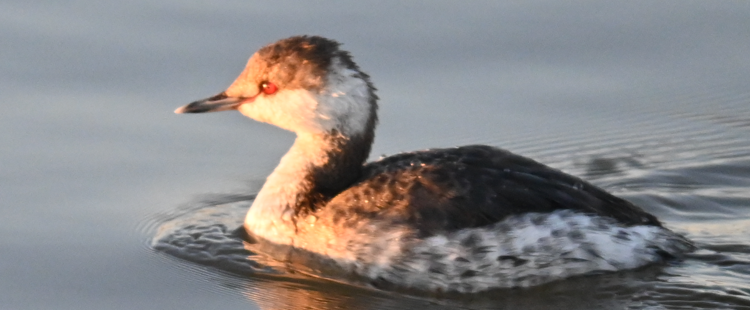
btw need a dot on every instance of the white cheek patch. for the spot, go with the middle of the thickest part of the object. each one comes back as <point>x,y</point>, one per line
<point>289,109</point>
<point>344,104</point>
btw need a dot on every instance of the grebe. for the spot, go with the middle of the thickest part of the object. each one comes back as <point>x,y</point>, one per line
<point>462,219</point>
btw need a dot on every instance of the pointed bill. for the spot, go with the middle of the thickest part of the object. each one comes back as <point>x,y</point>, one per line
<point>220,102</point>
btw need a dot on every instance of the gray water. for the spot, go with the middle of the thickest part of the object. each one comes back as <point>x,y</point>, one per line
<point>648,99</point>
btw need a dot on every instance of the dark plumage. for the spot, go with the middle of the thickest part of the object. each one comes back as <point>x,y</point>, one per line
<point>442,190</point>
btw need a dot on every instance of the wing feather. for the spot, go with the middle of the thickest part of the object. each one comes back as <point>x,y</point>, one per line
<point>443,190</point>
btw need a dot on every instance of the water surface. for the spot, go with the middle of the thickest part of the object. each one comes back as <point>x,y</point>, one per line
<point>649,100</point>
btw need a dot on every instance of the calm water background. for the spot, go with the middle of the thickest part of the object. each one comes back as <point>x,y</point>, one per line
<point>649,99</point>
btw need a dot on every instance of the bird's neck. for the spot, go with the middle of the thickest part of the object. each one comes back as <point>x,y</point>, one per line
<point>316,168</point>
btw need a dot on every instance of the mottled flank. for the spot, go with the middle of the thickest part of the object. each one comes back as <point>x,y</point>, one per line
<point>519,251</point>
<point>525,250</point>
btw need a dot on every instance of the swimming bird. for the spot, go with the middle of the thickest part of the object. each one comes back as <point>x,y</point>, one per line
<point>462,219</point>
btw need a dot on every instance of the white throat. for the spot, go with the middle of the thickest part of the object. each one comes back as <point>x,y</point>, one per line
<point>272,213</point>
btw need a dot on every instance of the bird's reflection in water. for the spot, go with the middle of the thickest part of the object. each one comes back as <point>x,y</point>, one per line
<point>606,291</point>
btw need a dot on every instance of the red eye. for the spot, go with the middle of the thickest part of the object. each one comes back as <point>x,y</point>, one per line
<point>268,88</point>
